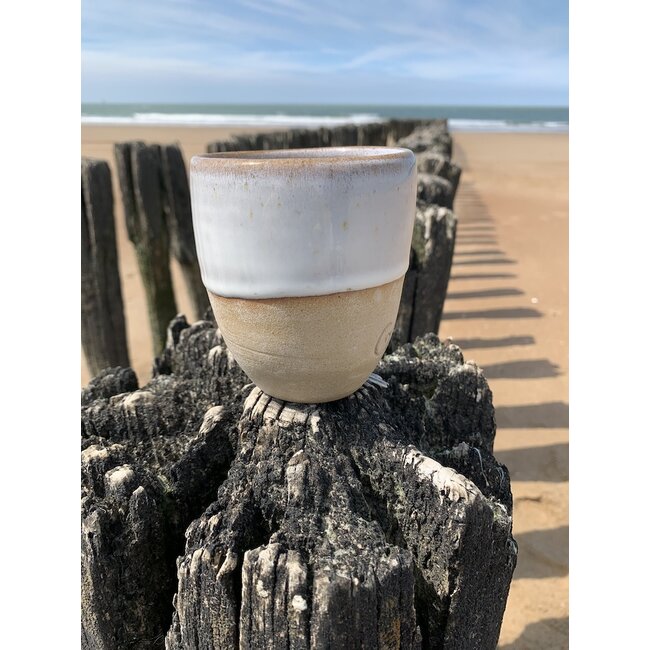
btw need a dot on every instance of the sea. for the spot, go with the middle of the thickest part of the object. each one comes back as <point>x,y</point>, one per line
<point>461,118</point>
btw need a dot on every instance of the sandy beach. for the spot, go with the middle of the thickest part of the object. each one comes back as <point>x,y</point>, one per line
<point>507,308</point>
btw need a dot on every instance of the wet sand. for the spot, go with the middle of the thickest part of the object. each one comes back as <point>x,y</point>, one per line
<point>507,308</point>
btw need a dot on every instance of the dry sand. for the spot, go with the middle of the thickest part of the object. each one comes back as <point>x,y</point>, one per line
<point>507,308</point>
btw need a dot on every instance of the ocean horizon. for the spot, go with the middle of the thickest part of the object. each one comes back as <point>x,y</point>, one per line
<point>461,118</point>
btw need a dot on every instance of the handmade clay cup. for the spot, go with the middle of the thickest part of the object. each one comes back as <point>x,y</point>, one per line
<point>303,253</point>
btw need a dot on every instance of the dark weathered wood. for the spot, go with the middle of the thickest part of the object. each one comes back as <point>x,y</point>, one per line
<point>181,229</point>
<point>425,283</point>
<point>439,165</point>
<point>139,170</point>
<point>346,525</point>
<point>434,234</point>
<point>435,190</point>
<point>152,461</point>
<point>402,329</point>
<point>109,382</point>
<point>103,330</point>
<point>433,241</point>
<point>373,134</point>
<point>432,136</point>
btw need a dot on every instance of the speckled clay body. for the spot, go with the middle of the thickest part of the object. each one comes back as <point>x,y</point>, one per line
<point>303,253</point>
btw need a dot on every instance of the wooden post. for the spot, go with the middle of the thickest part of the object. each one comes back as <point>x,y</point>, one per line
<point>435,190</point>
<point>434,235</point>
<point>434,240</point>
<point>373,134</point>
<point>432,136</point>
<point>103,331</point>
<point>141,181</point>
<point>425,284</point>
<point>402,330</point>
<point>181,229</point>
<point>377,521</point>
<point>386,133</point>
<point>344,136</point>
<point>440,165</point>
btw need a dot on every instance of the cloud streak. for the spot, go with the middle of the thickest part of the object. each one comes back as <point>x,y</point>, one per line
<point>478,50</point>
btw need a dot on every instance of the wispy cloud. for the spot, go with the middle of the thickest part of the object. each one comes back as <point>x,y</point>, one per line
<point>319,14</point>
<point>332,49</point>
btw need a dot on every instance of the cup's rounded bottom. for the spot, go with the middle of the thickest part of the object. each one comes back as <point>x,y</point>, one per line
<point>310,349</point>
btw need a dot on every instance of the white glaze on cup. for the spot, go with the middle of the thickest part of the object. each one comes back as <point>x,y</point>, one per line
<point>303,222</point>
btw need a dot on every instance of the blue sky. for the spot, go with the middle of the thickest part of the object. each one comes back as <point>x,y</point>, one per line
<point>326,51</point>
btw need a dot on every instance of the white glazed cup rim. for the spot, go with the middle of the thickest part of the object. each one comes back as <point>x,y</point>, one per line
<point>302,222</point>
<point>313,156</point>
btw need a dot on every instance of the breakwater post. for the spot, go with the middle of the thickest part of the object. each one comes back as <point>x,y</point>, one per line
<point>103,330</point>
<point>179,222</point>
<point>139,168</point>
<point>434,234</point>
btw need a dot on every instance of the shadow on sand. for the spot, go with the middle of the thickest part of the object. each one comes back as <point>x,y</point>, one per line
<point>507,312</point>
<point>547,634</point>
<point>543,553</point>
<point>524,369</point>
<point>483,276</point>
<point>482,251</point>
<point>484,293</point>
<point>505,342</point>
<point>549,415</point>
<point>546,463</point>
<point>490,261</point>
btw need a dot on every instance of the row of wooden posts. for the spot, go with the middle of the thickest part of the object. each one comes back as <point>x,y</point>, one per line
<point>156,200</point>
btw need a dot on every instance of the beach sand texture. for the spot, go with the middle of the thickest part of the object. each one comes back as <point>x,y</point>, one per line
<point>507,307</point>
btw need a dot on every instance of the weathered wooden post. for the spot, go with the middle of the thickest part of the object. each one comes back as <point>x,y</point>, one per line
<point>386,133</point>
<point>425,284</point>
<point>432,136</point>
<point>434,234</point>
<point>373,134</point>
<point>440,165</point>
<point>141,181</point>
<point>103,331</point>
<point>402,332</point>
<point>378,521</point>
<point>179,221</point>
<point>433,241</point>
<point>435,190</point>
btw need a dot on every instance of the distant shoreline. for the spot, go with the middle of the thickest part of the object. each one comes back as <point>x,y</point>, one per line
<point>504,119</point>
<point>459,126</point>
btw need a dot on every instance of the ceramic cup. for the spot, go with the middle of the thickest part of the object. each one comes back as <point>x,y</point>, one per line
<point>303,253</point>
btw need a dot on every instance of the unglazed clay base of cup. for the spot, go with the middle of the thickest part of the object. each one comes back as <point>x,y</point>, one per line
<point>310,349</point>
